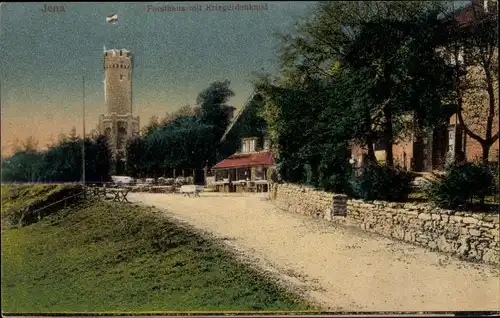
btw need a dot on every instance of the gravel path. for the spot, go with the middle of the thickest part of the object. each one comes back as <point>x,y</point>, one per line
<point>342,269</point>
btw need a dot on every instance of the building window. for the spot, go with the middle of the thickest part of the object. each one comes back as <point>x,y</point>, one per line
<point>121,77</point>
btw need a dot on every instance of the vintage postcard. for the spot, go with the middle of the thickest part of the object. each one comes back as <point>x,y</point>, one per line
<point>251,158</point>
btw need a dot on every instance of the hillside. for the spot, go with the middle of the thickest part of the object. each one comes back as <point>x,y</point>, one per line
<point>105,257</point>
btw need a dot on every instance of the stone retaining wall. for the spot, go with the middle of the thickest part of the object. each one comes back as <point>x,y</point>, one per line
<point>469,236</point>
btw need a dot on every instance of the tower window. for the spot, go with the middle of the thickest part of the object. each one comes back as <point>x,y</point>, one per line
<point>121,77</point>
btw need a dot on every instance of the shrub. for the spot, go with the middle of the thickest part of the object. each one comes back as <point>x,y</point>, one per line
<point>380,182</point>
<point>461,184</point>
<point>334,171</point>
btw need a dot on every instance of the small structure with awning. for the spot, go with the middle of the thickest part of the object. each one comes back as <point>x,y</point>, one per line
<point>248,170</point>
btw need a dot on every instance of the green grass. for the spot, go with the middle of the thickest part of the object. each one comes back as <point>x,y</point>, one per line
<point>106,257</point>
<point>19,195</point>
<point>34,196</point>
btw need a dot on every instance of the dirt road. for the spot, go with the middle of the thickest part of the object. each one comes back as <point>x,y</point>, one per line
<point>343,269</point>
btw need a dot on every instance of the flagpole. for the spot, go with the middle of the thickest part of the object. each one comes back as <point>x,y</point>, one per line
<point>83,139</point>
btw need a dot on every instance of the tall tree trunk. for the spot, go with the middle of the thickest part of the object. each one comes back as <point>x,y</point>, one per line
<point>370,139</point>
<point>489,139</point>
<point>485,152</point>
<point>369,145</point>
<point>489,123</point>
<point>388,132</point>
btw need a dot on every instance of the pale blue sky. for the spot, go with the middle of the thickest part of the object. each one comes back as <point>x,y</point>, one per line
<point>176,55</point>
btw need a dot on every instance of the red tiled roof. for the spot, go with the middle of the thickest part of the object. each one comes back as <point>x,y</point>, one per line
<point>263,158</point>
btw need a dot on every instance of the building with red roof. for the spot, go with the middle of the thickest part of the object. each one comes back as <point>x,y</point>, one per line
<point>247,170</point>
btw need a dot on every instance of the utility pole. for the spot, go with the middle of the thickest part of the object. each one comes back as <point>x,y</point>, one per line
<point>83,139</point>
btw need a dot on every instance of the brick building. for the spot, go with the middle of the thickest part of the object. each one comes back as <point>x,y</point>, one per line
<point>448,141</point>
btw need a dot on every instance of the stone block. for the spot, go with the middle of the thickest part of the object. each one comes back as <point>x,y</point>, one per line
<point>491,256</point>
<point>470,220</point>
<point>474,232</point>
<point>443,245</point>
<point>436,217</point>
<point>464,248</point>
<point>492,218</point>
<point>424,216</point>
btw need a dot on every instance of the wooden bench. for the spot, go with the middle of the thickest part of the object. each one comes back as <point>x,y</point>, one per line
<point>189,190</point>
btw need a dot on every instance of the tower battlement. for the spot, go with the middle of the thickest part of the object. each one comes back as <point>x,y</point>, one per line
<point>117,53</point>
<point>117,59</point>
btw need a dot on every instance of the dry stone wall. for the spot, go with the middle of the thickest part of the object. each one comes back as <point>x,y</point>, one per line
<point>469,236</point>
<point>302,200</point>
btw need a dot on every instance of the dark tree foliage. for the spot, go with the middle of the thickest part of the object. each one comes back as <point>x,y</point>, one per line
<point>184,143</point>
<point>186,140</point>
<point>216,113</point>
<point>311,132</point>
<point>404,75</point>
<point>461,184</point>
<point>350,74</point>
<point>250,124</point>
<point>60,163</point>
<point>381,182</point>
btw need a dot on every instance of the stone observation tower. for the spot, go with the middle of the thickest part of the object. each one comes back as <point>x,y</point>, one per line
<point>118,124</point>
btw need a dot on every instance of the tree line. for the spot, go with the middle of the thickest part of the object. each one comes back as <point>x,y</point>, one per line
<point>187,139</point>
<point>367,71</point>
<point>61,162</point>
<point>350,73</point>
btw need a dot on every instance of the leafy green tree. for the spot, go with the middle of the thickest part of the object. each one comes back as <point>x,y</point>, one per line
<point>151,126</point>
<point>23,166</point>
<point>215,112</point>
<point>370,43</point>
<point>473,48</point>
<point>404,75</point>
<point>184,143</point>
<point>307,129</point>
<point>61,162</point>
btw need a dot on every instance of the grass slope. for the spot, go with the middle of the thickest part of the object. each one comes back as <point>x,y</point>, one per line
<point>105,257</point>
<point>15,197</point>
<point>20,195</point>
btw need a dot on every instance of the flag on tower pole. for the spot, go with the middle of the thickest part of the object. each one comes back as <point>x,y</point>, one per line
<point>112,18</point>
